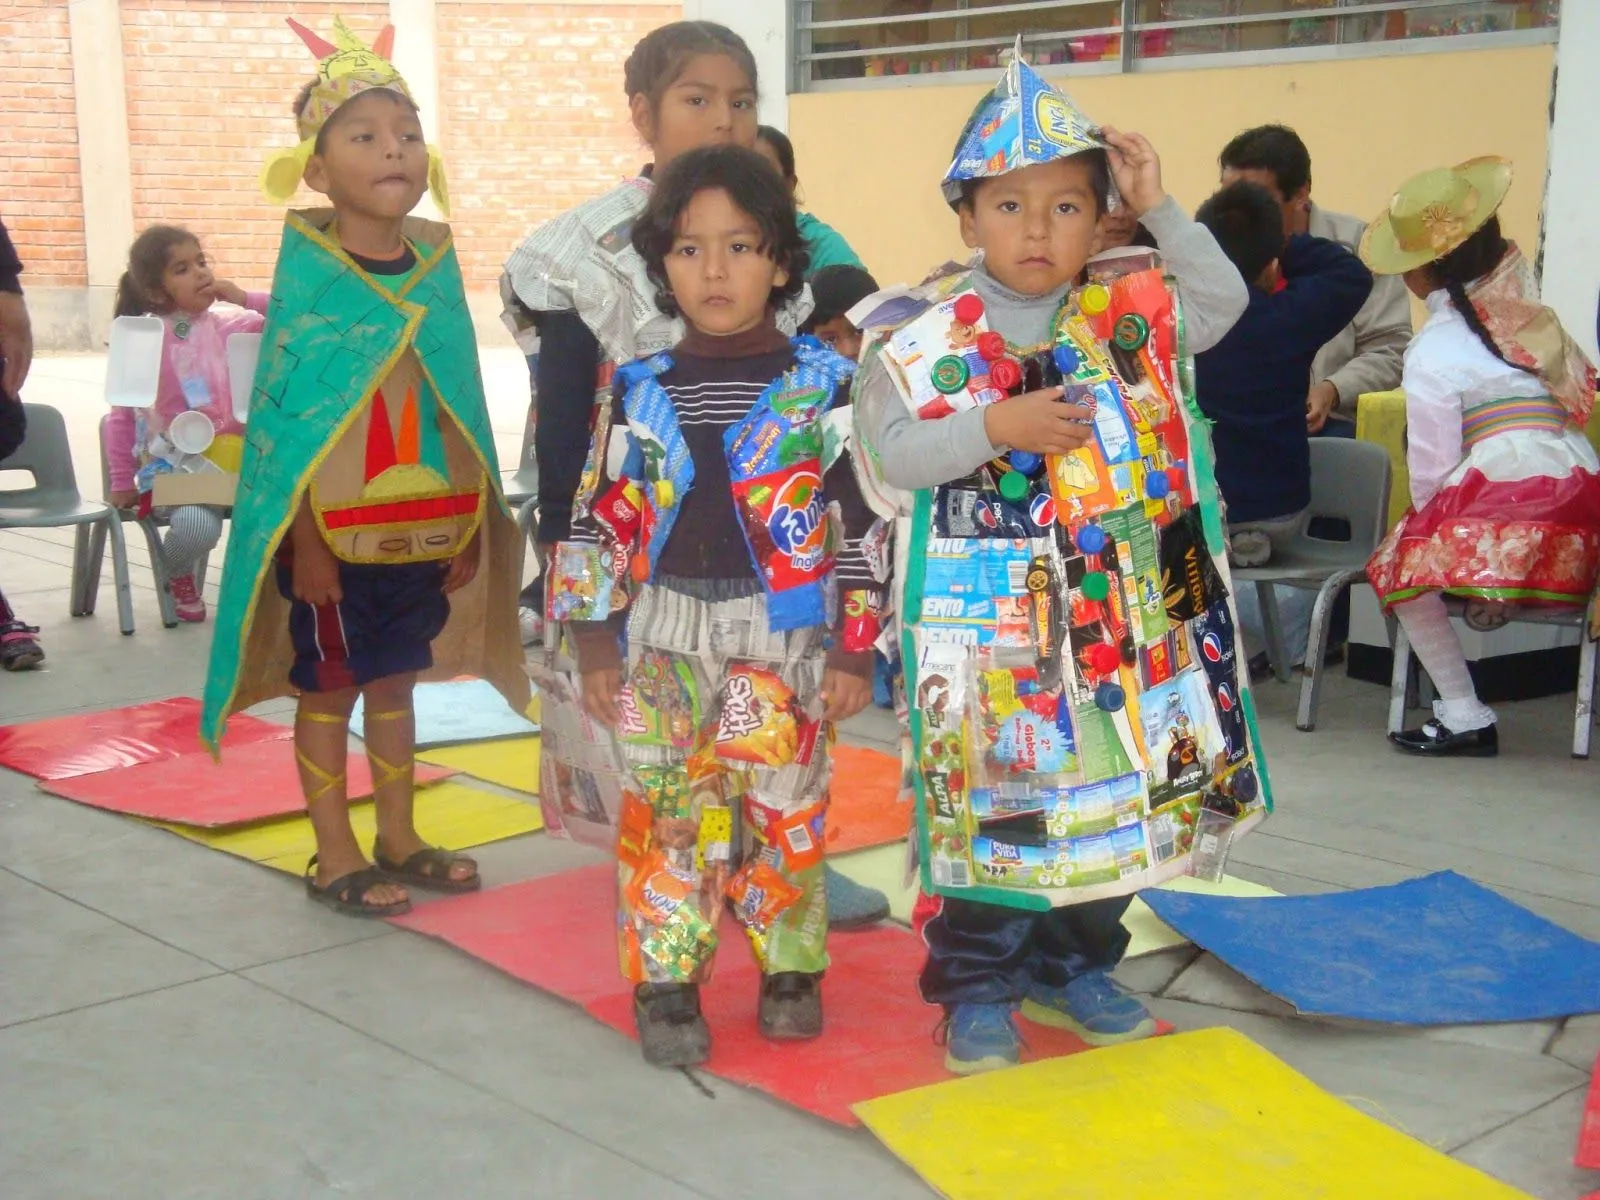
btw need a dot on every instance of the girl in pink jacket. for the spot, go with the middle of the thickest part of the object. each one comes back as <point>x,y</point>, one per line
<point>168,276</point>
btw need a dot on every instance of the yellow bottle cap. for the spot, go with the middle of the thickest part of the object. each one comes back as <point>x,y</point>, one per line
<point>1094,299</point>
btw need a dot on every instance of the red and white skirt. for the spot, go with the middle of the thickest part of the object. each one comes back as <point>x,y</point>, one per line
<point>1518,519</point>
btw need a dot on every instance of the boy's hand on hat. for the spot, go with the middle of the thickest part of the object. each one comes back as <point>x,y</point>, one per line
<point>1136,168</point>
<point>1039,422</point>
<point>600,691</point>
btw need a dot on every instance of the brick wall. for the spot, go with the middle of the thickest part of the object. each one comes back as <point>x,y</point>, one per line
<point>532,117</point>
<point>41,198</point>
<point>210,83</point>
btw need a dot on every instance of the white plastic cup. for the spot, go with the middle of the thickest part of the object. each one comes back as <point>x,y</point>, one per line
<point>192,432</point>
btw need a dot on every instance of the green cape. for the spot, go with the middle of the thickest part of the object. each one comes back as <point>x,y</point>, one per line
<point>333,334</point>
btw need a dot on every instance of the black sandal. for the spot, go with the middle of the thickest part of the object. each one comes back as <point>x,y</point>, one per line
<point>347,894</point>
<point>429,868</point>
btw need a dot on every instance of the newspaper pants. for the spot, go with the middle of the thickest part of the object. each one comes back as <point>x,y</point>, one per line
<point>725,795</point>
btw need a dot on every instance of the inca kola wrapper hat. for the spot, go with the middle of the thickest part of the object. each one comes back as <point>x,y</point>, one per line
<point>346,67</point>
<point>1022,122</point>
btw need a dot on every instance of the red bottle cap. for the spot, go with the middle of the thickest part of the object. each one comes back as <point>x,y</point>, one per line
<point>1005,374</point>
<point>991,346</point>
<point>969,309</point>
<point>1103,658</point>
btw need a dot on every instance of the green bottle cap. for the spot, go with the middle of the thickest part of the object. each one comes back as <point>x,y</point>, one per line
<point>950,374</point>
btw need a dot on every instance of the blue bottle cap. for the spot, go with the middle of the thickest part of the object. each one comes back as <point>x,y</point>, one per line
<point>1109,697</point>
<point>1026,461</point>
<point>1066,359</point>
<point>1157,485</point>
<point>1091,539</point>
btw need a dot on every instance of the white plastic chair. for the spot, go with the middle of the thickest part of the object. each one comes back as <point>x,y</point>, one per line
<point>54,502</point>
<point>1350,482</point>
<point>1573,616</point>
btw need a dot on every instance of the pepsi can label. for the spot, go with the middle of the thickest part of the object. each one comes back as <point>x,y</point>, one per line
<point>1215,644</point>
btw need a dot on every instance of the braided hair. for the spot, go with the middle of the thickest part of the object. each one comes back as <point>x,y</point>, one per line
<point>1471,260</point>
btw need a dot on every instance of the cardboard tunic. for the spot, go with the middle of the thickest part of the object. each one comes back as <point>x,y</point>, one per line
<point>371,402</point>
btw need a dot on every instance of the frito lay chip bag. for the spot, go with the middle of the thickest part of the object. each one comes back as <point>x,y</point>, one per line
<point>759,722</point>
<point>760,894</point>
<point>658,891</point>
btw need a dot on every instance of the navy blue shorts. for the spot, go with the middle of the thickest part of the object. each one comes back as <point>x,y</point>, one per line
<point>385,625</point>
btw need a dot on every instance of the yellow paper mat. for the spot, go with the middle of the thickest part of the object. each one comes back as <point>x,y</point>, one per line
<point>883,868</point>
<point>513,763</point>
<point>1205,1116</point>
<point>452,815</point>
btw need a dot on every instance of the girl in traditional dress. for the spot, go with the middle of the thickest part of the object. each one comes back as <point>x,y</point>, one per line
<point>1505,490</point>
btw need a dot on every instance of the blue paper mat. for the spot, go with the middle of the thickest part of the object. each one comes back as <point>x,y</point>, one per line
<point>462,710</point>
<point>1439,950</point>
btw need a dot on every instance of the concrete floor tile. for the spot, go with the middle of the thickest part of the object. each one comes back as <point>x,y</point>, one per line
<point>223,1088</point>
<point>1151,974</point>
<point>1518,1037</point>
<point>551,1058</point>
<point>1442,1093</point>
<point>1210,981</point>
<point>222,909</point>
<point>59,955</point>
<point>1534,1152</point>
<point>1578,1043</point>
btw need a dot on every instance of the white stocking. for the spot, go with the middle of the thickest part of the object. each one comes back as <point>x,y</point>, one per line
<point>1434,641</point>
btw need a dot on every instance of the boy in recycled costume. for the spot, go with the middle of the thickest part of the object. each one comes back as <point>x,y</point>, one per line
<point>1076,711</point>
<point>371,544</point>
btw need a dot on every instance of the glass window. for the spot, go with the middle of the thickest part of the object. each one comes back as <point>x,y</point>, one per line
<point>873,39</point>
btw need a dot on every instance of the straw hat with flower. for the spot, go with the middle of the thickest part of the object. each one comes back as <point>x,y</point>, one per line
<point>1433,213</point>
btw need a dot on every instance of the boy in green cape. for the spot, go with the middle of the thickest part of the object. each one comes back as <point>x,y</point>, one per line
<point>371,544</point>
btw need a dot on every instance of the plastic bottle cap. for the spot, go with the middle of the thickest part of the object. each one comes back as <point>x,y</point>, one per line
<point>1005,374</point>
<point>1096,586</point>
<point>950,374</point>
<point>1244,786</point>
<point>969,309</point>
<point>991,346</point>
<point>1104,658</point>
<point>1109,697</point>
<point>1157,485</point>
<point>1066,359</point>
<point>1130,332</point>
<point>1175,478</point>
<point>640,567</point>
<point>1026,461</point>
<point>1013,486</point>
<point>1091,539</point>
<point>664,493</point>
<point>1094,300</point>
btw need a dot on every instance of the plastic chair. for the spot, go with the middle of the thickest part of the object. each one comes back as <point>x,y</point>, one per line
<point>1570,615</point>
<point>1349,481</point>
<point>54,502</point>
<point>522,493</point>
<point>151,526</point>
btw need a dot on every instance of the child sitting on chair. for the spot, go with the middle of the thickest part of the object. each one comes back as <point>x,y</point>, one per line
<point>1505,489</point>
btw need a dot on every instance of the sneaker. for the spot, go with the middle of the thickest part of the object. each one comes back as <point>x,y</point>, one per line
<point>1094,1006</point>
<point>852,905</point>
<point>19,648</point>
<point>791,1006</point>
<point>186,599</point>
<point>672,1032</point>
<point>980,1037</point>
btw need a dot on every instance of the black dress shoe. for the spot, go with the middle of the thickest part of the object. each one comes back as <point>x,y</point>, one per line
<point>1439,741</point>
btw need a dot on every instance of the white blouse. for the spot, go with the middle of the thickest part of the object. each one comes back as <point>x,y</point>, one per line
<point>1449,373</point>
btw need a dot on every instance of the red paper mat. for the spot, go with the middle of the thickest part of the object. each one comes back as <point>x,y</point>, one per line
<point>251,783</point>
<point>66,747</point>
<point>558,934</point>
<point>1589,1132</point>
<point>864,805</point>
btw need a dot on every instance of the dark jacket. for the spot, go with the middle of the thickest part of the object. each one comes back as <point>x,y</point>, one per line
<point>1253,383</point>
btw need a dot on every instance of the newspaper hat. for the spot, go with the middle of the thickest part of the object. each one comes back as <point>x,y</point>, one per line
<point>346,67</point>
<point>1024,121</point>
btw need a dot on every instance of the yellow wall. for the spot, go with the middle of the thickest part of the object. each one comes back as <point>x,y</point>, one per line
<point>870,161</point>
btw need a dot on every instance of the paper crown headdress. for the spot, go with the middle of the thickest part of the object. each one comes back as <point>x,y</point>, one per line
<point>1024,121</point>
<point>346,67</point>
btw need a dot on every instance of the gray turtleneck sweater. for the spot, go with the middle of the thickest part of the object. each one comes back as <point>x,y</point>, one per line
<point>921,454</point>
